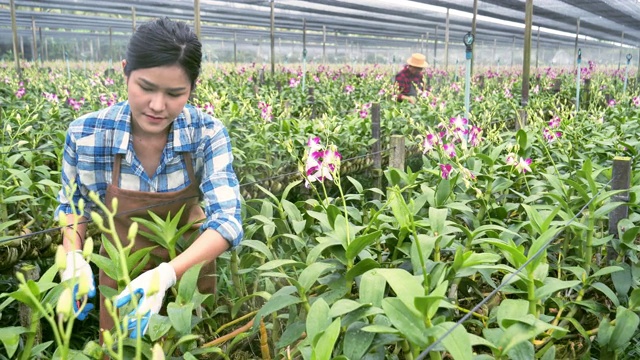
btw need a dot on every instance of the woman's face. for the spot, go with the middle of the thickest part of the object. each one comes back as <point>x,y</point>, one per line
<point>157,96</point>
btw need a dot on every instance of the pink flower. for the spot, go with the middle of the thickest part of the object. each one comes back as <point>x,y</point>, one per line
<point>349,89</point>
<point>636,101</point>
<point>321,163</point>
<point>523,165</point>
<point>450,150</point>
<point>293,82</point>
<point>20,93</point>
<point>458,122</point>
<point>612,102</point>
<point>555,122</point>
<point>445,169</point>
<point>265,111</point>
<point>429,143</point>
<point>511,159</point>
<point>551,136</point>
<point>208,108</point>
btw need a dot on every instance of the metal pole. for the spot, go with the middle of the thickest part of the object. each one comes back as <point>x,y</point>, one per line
<point>324,44</point>
<point>34,45</point>
<point>14,29</point>
<point>578,70</point>
<point>473,32</point>
<point>446,43</point>
<point>575,48</point>
<point>426,45</point>
<point>626,75</point>
<point>620,53</point>
<point>526,62</point>
<point>513,50</point>
<point>235,49</point>
<point>273,37</point>
<point>110,45</point>
<point>538,47</point>
<point>335,54</point>
<point>435,49</point>
<point>304,52</point>
<point>196,17</point>
<point>133,18</point>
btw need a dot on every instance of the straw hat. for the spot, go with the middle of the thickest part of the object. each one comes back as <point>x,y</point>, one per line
<point>417,60</point>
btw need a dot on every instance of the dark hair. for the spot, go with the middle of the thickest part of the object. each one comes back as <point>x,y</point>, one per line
<point>164,42</point>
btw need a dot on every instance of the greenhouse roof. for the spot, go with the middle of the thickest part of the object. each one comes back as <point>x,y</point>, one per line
<point>394,23</point>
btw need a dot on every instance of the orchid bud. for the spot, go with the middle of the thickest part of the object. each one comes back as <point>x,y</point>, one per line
<point>108,305</point>
<point>107,338</point>
<point>154,286</point>
<point>61,258</point>
<point>64,307</point>
<point>81,205</point>
<point>62,219</point>
<point>87,249</point>
<point>97,219</point>
<point>133,231</point>
<point>114,205</point>
<point>157,353</point>
<point>83,286</point>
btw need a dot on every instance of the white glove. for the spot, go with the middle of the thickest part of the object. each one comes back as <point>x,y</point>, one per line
<point>77,267</point>
<point>150,287</point>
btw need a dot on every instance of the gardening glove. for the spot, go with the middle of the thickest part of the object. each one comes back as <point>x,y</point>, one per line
<point>77,267</point>
<point>150,287</point>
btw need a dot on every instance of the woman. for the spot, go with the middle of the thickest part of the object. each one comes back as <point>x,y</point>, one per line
<point>155,153</point>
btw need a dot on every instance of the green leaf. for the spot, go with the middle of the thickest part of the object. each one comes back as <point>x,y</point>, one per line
<point>360,268</point>
<point>325,344</point>
<point>275,303</point>
<point>457,342</point>
<point>626,327</point>
<point>159,326</point>
<point>180,317</point>
<point>403,283</point>
<point>606,270</point>
<point>607,292</point>
<point>634,300</point>
<point>274,264</point>
<point>344,306</point>
<point>437,219</point>
<point>259,246</point>
<point>317,320</point>
<point>310,275</point>
<point>358,244</point>
<point>372,288</point>
<point>552,285</point>
<point>10,337</point>
<point>356,341</point>
<point>188,284</point>
<point>604,332</point>
<point>404,319</point>
<point>443,192</point>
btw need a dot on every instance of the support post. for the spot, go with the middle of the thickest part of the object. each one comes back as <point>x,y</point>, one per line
<point>273,38</point>
<point>526,61</point>
<point>30,272</point>
<point>537,48</point>
<point>521,120</point>
<point>398,152</point>
<point>375,149</point>
<point>324,44</point>
<point>14,29</point>
<point>473,32</point>
<point>235,49</point>
<point>133,19</point>
<point>575,48</point>
<point>620,52</point>
<point>446,43</point>
<point>435,49</point>
<point>196,17</point>
<point>34,42</point>
<point>620,180</point>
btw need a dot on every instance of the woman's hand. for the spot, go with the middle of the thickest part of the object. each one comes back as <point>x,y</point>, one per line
<point>150,288</point>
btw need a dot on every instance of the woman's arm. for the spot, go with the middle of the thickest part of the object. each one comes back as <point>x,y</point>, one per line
<point>73,239</point>
<point>208,246</point>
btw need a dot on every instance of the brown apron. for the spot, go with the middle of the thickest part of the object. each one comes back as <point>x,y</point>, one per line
<point>137,204</point>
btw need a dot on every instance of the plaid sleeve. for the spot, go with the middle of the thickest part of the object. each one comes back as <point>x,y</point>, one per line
<point>219,186</point>
<point>71,191</point>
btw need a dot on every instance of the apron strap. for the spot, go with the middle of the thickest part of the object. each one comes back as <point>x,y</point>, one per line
<point>190,171</point>
<point>115,174</point>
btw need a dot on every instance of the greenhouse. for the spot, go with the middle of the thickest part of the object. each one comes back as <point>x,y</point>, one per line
<point>330,179</point>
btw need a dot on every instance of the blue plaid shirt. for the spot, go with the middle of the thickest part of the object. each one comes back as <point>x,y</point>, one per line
<point>94,139</point>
